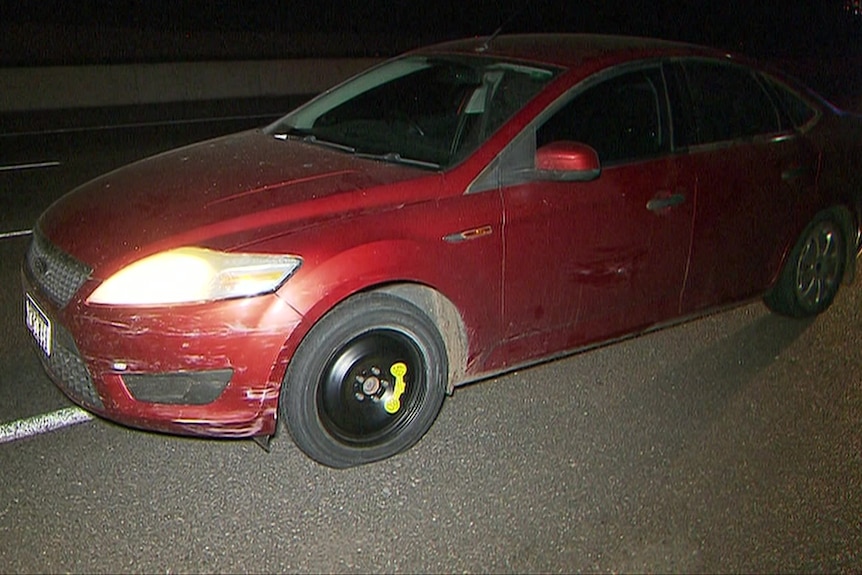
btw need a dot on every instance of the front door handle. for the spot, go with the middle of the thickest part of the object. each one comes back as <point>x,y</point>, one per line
<point>658,204</point>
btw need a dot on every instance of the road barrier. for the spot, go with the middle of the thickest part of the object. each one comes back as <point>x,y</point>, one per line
<point>45,88</point>
<point>65,87</point>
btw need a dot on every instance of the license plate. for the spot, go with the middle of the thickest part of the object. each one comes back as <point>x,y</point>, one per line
<point>38,324</point>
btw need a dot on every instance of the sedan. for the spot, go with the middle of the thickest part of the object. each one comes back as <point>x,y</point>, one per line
<point>451,214</point>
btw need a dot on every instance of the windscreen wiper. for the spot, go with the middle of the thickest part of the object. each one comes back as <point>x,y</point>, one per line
<point>308,137</point>
<point>396,158</point>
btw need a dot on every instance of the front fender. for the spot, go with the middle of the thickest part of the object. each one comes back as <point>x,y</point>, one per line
<point>464,274</point>
<point>354,270</point>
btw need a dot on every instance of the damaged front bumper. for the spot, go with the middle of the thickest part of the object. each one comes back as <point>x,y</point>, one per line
<point>212,369</point>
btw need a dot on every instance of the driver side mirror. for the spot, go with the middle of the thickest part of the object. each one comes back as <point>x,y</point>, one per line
<point>566,161</point>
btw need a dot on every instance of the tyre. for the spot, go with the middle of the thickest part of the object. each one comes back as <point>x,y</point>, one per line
<point>366,383</point>
<point>813,271</point>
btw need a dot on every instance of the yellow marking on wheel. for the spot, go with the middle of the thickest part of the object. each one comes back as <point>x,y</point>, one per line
<point>398,371</point>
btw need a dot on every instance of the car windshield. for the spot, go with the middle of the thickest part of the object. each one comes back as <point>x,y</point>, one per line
<point>422,110</point>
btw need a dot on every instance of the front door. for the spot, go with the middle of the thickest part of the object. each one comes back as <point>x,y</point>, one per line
<point>587,261</point>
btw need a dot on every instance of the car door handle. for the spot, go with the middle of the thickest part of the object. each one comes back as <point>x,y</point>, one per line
<point>659,203</point>
<point>795,172</point>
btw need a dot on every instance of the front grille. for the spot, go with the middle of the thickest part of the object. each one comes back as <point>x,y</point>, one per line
<point>57,274</point>
<point>67,369</point>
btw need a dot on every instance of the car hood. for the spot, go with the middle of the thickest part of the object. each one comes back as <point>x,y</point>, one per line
<point>220,193</point>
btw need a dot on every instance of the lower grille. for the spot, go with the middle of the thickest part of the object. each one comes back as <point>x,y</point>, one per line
<point>67,369</point>
<point>181,388</point>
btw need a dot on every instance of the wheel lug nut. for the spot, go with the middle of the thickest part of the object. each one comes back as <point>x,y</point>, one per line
<point>371,385</point>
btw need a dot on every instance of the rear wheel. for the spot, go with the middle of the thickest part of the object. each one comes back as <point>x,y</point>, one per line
<point>366,383</point>
<point>813,271</point>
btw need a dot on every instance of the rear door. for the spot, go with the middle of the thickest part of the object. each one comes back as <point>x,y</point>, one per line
<point>752,172</point>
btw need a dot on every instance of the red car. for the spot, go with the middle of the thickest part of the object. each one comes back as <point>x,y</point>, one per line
<point>457,212</point>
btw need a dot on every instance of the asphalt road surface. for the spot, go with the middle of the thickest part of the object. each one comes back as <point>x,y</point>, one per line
<point>728,444</point>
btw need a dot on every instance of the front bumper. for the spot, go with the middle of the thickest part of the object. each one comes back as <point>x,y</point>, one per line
<point>212,369</point>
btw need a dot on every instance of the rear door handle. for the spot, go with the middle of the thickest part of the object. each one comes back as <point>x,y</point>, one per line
<point>795,172</point>
<point>660,203</point>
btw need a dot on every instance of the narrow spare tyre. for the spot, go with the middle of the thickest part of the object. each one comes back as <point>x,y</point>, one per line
<point>366,382</point>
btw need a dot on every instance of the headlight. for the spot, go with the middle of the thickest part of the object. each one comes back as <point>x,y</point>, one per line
<point>187,275</point>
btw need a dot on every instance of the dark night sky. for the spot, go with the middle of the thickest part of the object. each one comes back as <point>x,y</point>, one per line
<point>59,30</point>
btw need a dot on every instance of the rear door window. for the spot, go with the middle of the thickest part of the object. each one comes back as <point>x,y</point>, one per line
<point>729,103</point>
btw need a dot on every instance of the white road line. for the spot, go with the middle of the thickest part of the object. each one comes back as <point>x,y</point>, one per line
<point>7,235</point>
<point>14,167</point>
<point>39,424</point>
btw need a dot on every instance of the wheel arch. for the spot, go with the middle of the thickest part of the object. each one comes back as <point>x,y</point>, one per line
<point>393,267</point>
<point>446,318</point>
<point>850,225</point>
<point>442,312</point>
<point>784,297</point>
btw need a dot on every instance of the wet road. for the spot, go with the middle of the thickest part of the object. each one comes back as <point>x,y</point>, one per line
<point>729,444</point>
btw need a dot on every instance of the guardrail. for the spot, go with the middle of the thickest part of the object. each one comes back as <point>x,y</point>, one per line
<point>45,88</point>
<point>65,87</point>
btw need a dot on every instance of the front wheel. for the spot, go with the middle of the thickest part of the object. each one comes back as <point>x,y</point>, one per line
<point>813,272</point>
<point>366,383</point>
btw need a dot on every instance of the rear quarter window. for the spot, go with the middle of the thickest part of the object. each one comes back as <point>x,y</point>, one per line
<point>797,109</point>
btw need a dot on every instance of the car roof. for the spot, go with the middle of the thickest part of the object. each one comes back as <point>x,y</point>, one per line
<point>573,50</point>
